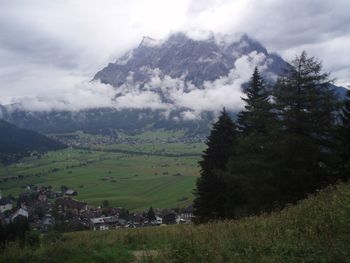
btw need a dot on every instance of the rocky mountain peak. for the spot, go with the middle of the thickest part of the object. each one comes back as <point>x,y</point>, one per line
<point>149,42</point>
<point>195,59</point>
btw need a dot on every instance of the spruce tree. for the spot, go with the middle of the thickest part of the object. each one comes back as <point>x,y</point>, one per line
<point>210,198</point>
<point>306,105</point>
<point>255,118</point>
<point>344,145</point>
<point>249,172</point>
<point>150,214</point>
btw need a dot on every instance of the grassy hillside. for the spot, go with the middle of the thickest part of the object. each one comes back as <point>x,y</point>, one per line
<point>16,143</point>
<point>135,182</point>
<point>315,230</point>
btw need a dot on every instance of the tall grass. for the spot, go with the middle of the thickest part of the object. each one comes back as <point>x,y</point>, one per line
<point>315,230</point>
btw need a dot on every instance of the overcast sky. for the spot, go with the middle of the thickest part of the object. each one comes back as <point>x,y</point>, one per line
<point>48,48</point>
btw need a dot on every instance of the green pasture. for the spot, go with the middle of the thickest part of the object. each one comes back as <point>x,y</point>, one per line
<point>177,148</point>
<point>131,181</point>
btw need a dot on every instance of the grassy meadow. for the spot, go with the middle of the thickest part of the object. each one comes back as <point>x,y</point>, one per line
<point>133,181</point>
<point>314,230</point>
<point>174,149</point>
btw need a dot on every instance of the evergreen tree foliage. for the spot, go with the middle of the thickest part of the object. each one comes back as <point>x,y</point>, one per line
<point>306,105</point>
<point>344,144</point>
<point>2,235</point>
<point>285,148</point>
<point>249,172</point>
<point>105,204</point>
<point>150,214</point>
<point>255,118</point>
<point>210,193</point>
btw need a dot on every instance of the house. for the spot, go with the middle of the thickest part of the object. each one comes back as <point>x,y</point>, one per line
<point>122,222</point>
<point>42,198</point>
<point>71,192</point>
<point>158,220</point>
<point>169,218</point>
<point>137,219</point>
<point>186,214</point>
<point>47,221</point>
<point>53,195</point>
<point>103,223</point>
<point>67,204</point>
<point>5,204</point>
<point>20,213</point>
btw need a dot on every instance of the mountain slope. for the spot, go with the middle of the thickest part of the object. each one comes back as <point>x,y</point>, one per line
<point>181,56</point>
<point>104,121</point>
<point>16,143</point>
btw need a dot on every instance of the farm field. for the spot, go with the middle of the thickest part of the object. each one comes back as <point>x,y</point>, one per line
<point>133,181</point>
<point>177,148</point>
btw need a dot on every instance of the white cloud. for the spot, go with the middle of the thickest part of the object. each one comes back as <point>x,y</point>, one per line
<point>48,47</point>
<point>180,95</point>
<point>85,95</point>
<point>223,92</point>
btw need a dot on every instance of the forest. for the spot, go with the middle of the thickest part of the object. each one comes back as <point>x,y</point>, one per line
<point>291,140</point>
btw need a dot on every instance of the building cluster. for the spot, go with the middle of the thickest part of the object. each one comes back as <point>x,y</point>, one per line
<point>36,205</point>
<point>134,220</point>
<point>47,210</point>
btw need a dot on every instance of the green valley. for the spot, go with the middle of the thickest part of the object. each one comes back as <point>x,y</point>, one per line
<point>146,171</point>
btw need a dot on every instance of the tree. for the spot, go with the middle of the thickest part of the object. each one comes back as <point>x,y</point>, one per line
<point>210,197</point>
<point>249,172</point>
<point>256,117</point>
<point>64,188</point>
<point>2,235</point>
<point>150,214</point>
<point>105,204</point>
<point>306,106</point>
<point>344,136</point>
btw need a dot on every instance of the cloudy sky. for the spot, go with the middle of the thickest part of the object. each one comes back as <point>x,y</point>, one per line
<point>50,48</point>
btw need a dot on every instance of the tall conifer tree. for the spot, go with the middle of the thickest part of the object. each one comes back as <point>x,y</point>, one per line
<point>255,117</point>
<point>249,171</point>
<point>210,193</point>
<point>344,144</point>
<point>306,103</point>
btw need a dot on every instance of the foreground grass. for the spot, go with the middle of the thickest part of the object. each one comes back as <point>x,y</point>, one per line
<point>315,230</point>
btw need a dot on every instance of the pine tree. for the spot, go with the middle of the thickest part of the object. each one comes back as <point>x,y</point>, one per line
<point>255,118</point>
<point>2,235</point>
<point>249,171</point>
<point>306,103</point>
<point>150,214</point>
<point>210,193</point>
<point>344,144</point>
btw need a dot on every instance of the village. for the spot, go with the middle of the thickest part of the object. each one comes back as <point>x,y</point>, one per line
<point>47,210</point>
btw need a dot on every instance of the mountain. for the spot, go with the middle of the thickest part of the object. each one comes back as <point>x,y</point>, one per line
<point>16,143</point>
<point>180,82</point>
<point>103,121</point>
<point>181,56</point>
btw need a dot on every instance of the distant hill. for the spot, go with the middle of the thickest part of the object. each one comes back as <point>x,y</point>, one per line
<point>16,143</point>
